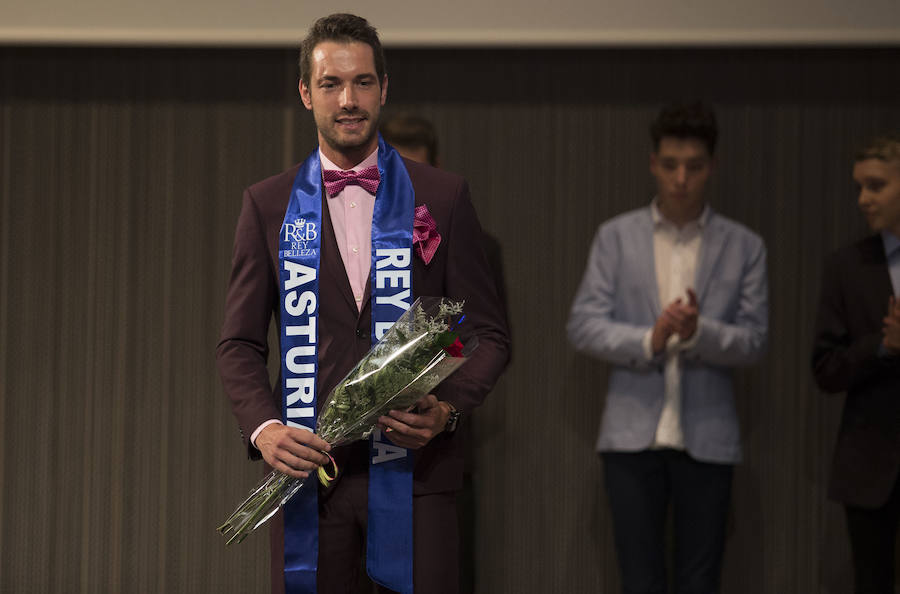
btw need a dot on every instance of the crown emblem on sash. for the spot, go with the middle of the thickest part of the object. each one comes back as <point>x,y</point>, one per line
<point>299,231</point>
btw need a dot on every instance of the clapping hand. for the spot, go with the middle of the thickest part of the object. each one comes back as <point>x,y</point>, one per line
<point>678,318</point>
<point>891,328</point>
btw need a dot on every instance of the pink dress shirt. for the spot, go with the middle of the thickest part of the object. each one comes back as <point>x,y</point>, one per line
<point>351,216</point>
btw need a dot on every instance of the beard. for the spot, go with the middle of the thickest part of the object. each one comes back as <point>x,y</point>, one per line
<point>341,139</point>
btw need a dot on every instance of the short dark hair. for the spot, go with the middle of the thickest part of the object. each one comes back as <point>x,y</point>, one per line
<point>885,147</point>
<point>412,131</point>
<point>343,28</point>
<point>686,120</point>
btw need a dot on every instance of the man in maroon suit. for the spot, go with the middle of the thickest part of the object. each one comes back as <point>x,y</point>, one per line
<point>344,84</point>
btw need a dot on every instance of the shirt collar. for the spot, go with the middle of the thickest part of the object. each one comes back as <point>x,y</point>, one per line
<point>659,219</point>
<point>372,159</point>
<point>891,242</point>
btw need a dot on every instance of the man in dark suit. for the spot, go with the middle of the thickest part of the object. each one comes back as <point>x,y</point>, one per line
<point>415,138</point>
<point>857,351</point>
<point>344,84</point>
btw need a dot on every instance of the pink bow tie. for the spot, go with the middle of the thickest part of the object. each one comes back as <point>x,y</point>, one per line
<point>336,180</point>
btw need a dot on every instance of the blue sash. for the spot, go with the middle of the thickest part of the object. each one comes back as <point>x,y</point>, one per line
<point>389,546</point>
<point>298,257</point>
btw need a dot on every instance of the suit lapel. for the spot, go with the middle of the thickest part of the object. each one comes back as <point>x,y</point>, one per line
<point>874,275</point>
<point>367,292</point>
<point>710,251</point>
<point>643,239</point>
<point>331,261</point>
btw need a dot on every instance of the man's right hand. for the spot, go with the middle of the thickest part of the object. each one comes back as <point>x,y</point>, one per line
<point>662,330</point>
<point>891,329</point>
<point>290,450</point>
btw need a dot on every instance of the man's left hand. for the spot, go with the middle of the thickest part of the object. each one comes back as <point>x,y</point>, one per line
<point>683,316</point>
<point>412,430</point>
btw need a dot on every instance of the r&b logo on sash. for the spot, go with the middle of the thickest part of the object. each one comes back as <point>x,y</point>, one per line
<point>300,234</point>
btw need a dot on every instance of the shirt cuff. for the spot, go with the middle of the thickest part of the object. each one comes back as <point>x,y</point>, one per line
<point>647,344</point>
<point>690,342</point>
<point>260,428</point>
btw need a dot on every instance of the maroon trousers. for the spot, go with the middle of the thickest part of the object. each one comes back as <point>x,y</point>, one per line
<point>342,540</point>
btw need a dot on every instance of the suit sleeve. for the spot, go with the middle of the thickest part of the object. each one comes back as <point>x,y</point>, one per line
<point>243,350</point>
<point>839,359</point>
<point>740,341</point>
<point>592,328</point>
<point>469,277</point>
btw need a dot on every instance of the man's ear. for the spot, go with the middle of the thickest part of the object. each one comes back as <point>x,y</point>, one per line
<point>305,96</point>
<point>384,84</point>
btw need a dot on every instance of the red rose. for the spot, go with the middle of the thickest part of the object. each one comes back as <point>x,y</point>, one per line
<point>455,349</point>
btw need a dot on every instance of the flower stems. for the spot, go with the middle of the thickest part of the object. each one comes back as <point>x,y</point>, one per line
<point>261,505</point>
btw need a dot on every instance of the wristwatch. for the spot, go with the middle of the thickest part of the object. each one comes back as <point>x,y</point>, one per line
<point>452,420</point>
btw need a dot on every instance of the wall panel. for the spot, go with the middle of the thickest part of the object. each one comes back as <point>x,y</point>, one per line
<point>120,187</point>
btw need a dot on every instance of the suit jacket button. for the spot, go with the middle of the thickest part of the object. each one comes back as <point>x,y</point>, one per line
<point>360,333</point>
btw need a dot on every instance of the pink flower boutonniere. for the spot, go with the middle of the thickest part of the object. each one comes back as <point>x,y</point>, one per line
<point>426,238</point>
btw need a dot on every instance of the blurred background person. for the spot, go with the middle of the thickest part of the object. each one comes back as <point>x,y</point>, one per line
<point>857,351</point>
<point>674,298</point>
<point>415,138</point>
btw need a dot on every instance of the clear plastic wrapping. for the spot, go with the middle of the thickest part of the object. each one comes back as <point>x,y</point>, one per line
<point>418,352</point>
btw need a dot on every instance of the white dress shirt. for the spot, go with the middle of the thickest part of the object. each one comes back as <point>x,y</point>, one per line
<point>675,253</point>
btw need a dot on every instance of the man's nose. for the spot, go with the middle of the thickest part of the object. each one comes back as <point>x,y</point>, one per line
<point>681,175</point>
<point>864,198</point>
<point>348,97</point>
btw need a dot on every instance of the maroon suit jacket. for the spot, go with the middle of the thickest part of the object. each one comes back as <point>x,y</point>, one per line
<point>458,270</point>
<point>854,297</point>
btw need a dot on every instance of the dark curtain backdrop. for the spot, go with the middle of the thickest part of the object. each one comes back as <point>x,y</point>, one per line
<point>121,172</point>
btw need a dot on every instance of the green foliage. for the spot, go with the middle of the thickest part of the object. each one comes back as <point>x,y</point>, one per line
<point>392,375</point>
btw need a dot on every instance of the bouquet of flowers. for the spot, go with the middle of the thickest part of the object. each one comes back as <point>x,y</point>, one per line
<point>418,352</point>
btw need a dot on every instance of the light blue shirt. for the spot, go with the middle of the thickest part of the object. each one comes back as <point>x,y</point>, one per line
<point>892,251</point>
